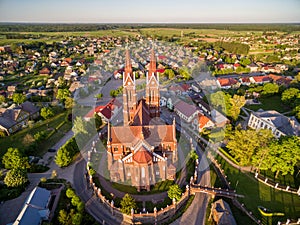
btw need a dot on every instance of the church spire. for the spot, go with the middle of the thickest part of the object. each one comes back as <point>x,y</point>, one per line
<point>152,65</point>
<point>128,66</point>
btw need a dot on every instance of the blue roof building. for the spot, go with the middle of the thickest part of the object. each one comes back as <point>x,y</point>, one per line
<point>35,209</point>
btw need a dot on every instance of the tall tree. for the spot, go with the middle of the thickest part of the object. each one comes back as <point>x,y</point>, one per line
<point>14,159</point>
<point>284,155</point>
<point>221,101</point>
<point>18,98</point>
<point>174,192</point>
<point>270,89</point>
<point>79,126</point>
<point>127,204</point>
<point>243,144</point>
<point>63,94</point>
<point>2,99</point>
<point>16,178</point>
<point>289,95</point>
<point>237,102</point>
<point>47,112</point>
<point>98,121</point>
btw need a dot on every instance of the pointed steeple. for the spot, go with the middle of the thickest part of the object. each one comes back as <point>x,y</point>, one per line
<point>152,65</point>
<point>128,66</point>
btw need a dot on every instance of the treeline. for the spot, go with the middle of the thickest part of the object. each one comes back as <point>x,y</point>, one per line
<point>233,47</point>
<point>55,27</point>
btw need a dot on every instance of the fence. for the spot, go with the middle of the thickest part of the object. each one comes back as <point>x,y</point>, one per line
<point>158,215</point>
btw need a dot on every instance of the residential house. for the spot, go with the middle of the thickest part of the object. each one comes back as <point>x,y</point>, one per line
<point>218,118</point>
<point>260,79</point>
<point>171,102</point>
<point>106,111</point>
<point>186,111</point>
<point>226,83</point>
<point>200,122</point>
<point>221,213</point>
<point>11,90</point>
<point>279,124</point>
<point>35,209</point>
<point>253,67</point>
<point>13,119</point>
<point>280,80</point>
<point>45,71</point>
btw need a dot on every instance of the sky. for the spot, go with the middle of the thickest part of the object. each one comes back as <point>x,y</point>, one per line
<point>151,11</point>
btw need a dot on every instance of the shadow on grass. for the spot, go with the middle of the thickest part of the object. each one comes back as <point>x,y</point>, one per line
<point>258,194</point>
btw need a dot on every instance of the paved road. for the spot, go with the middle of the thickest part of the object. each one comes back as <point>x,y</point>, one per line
<point>93,206</point>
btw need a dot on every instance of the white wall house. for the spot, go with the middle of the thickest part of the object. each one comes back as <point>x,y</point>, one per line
<point>279,124</point>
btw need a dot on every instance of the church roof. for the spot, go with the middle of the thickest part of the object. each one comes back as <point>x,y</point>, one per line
<point>153,134</point>
<point>142,116</point>
<point>142,155</point>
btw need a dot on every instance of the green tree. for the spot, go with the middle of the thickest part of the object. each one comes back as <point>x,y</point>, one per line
<point>18,98</point>
<point>237,102</point>
<point>270,89</point>
<point>69,103</point>
<point>47,112</point>
<point>63,94</point>
<point>193,155</point>
<point>99,96</point>
<point>221,101</point>
<point>243,144</point>
<point>127,203</point>
<point>63,217</point>
<point>174,192</point>
<point>16,178</point>
<point>66,153</point>
<point>77,218</point>
<point>245,61</point>
<point>75,200</point>
<point>14,159</point>
<point>80,207</point>
<point>70,193</point>
<point>63,157</point>
<point>289,95</point>
<point>169,74</point>
<point>185,73</point>
<point>2,99</point>
<point>79,126</point>
<point>284,154</point>
<point>92,172</point>
<point>98,121</point>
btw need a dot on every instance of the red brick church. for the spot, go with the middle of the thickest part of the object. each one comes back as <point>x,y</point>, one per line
<point>143,151</point>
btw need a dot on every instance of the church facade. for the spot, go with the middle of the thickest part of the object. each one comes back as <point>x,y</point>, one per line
<point>143,151</point>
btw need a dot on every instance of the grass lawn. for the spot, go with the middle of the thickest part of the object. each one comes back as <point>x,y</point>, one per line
<point>270,103</point>
<point>17,140</point>
<point>287,180</point>
<point>259,194</point>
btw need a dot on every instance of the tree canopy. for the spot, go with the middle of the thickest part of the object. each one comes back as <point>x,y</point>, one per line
<point>290,95</point>
<point>230,106</point>
<point>66,153</point>
<point>14,159</point>
<point>127,203</point>
<point>63,94</point>
<point>16,178</point>
<point>18,98</point>
<point>47,112</point>
<point>283,155</point>
<point>243,144</point>
<point>270,89</point>
<point>174,192</point>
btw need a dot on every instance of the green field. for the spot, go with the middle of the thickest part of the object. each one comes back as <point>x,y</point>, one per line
<point>270,103</point>
<point>17,140</point>
<point>259,194</point>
